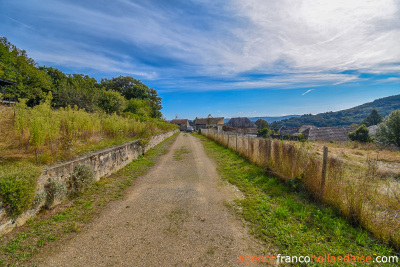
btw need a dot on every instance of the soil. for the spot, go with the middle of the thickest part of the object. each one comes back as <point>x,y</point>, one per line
<point>175,215</point>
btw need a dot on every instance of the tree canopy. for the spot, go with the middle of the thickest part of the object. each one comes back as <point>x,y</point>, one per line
<point>389,130</point>
<point>35,82</point>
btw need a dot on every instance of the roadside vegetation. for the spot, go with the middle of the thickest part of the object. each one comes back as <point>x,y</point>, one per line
<point>63,221</point>
<point>287,215</point>
<point>364,192</point>
<point>58,116</point>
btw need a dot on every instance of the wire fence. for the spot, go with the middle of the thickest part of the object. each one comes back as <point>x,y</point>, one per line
<point>360,194</point>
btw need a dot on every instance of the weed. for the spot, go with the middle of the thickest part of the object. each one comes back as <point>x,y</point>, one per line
<point>21,244</point>
<point>287,218</point>
<point>179,152</point>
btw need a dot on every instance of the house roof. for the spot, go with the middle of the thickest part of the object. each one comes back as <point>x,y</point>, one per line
<point>330,133</point>
<point>241,123</point>
<point>180,121</point>
<point>305,128</point>
<point>219,120</point>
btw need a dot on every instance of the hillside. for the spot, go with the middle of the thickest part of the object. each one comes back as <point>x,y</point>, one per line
<point>269,119</point>
<point>348,116</point>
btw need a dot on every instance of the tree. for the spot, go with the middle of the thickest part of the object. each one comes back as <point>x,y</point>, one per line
<point>132,88</point>
<point>374,118</point>
<point>361,134</point>
<point>32,83</point>
<point>266,132</point>
<point>388,131</point>
<point>274,125</point>
<point>111,101</point>
<point>139,107</point>
<point>261,124</point>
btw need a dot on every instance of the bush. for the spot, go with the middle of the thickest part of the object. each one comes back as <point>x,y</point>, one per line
<point>266,132</point>
<point>80,179</point>
<point>54,189</point>
<point>361,134</point>
<point>17,189</point>
<point>389,130</point>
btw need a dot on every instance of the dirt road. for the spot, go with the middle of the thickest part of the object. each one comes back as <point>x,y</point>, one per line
<point>173,216</point>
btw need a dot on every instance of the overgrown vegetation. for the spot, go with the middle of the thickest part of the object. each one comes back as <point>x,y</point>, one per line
<point>24,242</point>
<point>284,215</point>
<point>357,191</point>
<point>17,187</point>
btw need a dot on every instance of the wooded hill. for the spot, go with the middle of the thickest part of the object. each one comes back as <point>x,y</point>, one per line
<point>346,117</point>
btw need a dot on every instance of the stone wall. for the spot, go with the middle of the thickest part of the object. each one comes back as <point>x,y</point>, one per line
<point>103,163</point>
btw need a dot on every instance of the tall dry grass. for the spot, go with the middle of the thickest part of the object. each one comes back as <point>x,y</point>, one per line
<point>360,194</point>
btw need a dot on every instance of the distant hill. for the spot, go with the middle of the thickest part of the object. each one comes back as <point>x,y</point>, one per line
<point>348,116</point>
<point>268,119</point>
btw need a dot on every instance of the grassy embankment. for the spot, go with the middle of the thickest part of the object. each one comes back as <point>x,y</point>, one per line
<point>279,214</point>
<point>71,217</point>
<point>32,137</point>
<point>363,190</point>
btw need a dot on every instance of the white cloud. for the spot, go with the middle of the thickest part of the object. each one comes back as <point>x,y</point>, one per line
<point>307,92</point>
<point>305,43</point>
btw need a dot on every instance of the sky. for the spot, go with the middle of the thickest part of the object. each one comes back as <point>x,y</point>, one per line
<point>226,58</point>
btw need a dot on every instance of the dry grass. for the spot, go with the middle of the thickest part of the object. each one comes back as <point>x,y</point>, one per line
<point>362,179</point>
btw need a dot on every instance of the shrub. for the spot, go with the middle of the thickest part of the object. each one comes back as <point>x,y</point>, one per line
<point>265,132</point>
<point>17,189</point>
<point>389,130</point>
<point>54,189</point>
<point>361,134</point>
<point>80,179</point>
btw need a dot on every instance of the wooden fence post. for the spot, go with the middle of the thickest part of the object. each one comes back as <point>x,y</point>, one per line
<point>323,174</point>
<point>248,146</point>
<point>228,141</point>
<point>236,142</point>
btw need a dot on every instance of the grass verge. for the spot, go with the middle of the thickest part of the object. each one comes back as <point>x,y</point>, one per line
<point>19,246</point>
<point>295,225</point>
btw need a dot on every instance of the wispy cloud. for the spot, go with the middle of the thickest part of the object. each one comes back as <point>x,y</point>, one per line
<point>211,45</point>
<point>307,92</point>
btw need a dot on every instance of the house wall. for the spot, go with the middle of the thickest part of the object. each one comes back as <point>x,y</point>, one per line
<point>103,163</point>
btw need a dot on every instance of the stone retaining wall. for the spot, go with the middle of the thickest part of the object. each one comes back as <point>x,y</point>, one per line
<point>103,163</point>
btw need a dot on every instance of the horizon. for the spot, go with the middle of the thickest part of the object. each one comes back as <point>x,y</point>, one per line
<point>224,58</point>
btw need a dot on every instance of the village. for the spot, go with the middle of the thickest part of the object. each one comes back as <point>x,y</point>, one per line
<point>244,126</point>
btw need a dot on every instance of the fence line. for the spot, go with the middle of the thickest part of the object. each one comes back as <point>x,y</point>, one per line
<point>363,198</point>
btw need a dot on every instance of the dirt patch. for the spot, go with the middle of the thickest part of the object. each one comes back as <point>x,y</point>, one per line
<point>176,215</point>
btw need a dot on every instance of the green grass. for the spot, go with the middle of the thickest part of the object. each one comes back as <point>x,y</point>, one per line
<point>19,246</point>
<point>290,221</point>
<point>178,154</point>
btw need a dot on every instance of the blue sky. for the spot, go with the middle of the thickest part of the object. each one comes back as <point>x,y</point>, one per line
<point>226,58</point>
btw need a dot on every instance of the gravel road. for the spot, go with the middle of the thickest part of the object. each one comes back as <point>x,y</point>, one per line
<point>175,215</point>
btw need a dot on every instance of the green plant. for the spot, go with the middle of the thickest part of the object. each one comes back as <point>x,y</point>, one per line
<point>80,179</point>
<point>389,130</point>
<point>361,134</point>
<point>54,189</point>
<point>17,189</point>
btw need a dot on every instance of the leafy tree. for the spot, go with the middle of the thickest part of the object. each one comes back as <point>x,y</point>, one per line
<point>132,88</point>
<point>261,124</point>
<point>32,83</point>
<point>139,107</point>
<point>389,129</point>
<point>274,125</point>
<point>111,101</point>
<point>361,134</point>
<point>374,118</point>
<point>266,132</point>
